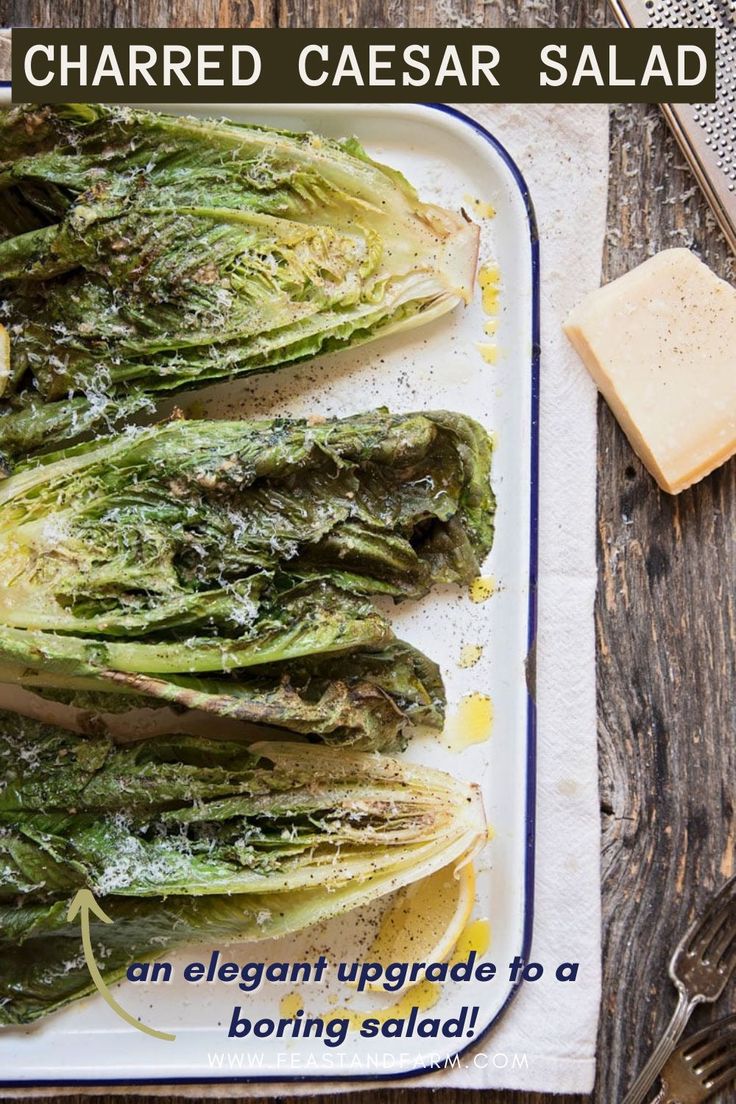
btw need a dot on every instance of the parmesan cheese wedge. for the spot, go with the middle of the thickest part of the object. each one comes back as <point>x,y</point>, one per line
<point>660,342</point>
<point>4,358</point>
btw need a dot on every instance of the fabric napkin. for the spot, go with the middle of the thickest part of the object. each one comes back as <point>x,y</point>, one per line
<point>562,151</point>
<point>546,1040</point>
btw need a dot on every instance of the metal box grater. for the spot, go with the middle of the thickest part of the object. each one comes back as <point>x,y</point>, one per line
<point>706,132</point>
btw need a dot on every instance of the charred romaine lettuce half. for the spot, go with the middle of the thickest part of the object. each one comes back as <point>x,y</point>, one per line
<point>185,525</point>
<point>229,566</point>
<point>145,253</point>
<point>346,692</point>
<point>198,840</point>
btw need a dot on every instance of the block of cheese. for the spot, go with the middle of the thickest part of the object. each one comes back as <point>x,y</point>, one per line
<point>660,342</point>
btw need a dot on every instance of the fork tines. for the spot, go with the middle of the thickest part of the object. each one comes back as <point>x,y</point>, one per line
<point>720,916</point>
<point>711,1053</point>
<point>712,936</point>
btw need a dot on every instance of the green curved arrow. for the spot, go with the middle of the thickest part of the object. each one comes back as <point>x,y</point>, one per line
<point>83,904</point>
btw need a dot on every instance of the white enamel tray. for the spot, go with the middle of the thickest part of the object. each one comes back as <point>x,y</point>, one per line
<point>451,160</point>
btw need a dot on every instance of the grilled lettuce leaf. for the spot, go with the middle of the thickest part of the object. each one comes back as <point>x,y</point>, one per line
<point>367,695</point>
<point>145,253</point>
<point>229,566</point>
<point>186,526</point>
<point>198,840</point>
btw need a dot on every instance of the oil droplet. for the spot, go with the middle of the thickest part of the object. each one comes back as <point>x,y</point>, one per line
<point>471,723</point>
<point>290,1005</point>
<point>355,1019</point>
<point>490,326</point>
<point>482,588</point>
<point>480,207</point>
<point>470,654</point>
<point>422,996</point>
<point>476,937</point>
<point>489,274</point>
<point>488,350</point>
<point>489,281</point>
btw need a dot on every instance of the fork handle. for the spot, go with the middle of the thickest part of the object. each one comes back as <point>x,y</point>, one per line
<point>662,1051</point>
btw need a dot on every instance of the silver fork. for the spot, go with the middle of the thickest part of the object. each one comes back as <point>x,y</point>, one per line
<point>701,1066</point>
<point>700,968</point>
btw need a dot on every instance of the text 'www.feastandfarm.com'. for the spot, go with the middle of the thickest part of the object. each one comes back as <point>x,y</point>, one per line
<point>284,1061</point>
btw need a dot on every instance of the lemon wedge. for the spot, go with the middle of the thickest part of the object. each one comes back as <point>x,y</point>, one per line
<point>426,919</point>
<point>4,358</point>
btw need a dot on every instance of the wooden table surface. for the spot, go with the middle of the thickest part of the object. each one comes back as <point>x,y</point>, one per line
<point>666,620</point>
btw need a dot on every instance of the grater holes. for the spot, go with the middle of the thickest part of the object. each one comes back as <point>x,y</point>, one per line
<point>709,129</point>
<point>717,121</point>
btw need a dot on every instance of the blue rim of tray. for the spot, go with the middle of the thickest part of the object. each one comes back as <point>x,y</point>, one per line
<point>531,722</point>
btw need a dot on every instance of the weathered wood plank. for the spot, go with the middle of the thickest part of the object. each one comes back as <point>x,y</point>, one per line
<point>666,633</point>
<point>137,13</point>
<point>378,13</point>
